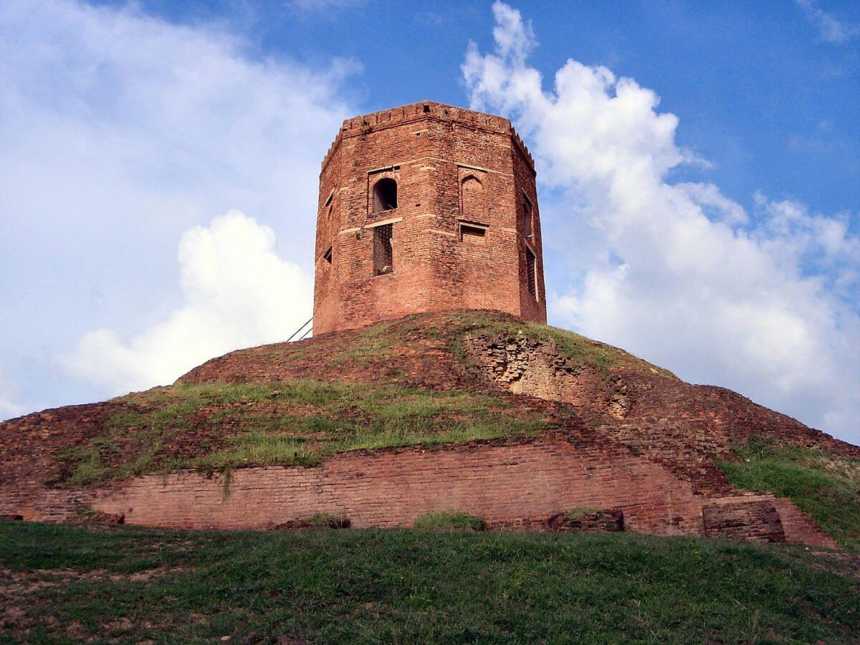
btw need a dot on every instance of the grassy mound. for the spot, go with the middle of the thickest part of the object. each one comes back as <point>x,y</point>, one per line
<point>432,379</point>
<point>71,584</point>
<point>218,426</point>
<point>823,485</point>
<point>381,341</point>
<point>579,349</point>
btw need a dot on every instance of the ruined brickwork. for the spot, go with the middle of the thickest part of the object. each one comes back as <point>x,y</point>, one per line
<point>515,486</point>
<point>426,207</point>
<point>628,446</point>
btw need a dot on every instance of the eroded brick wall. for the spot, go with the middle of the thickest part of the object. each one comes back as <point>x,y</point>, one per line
<point>498,483</point>
<point>430,150</point>
<point>743,518</point>
<point>509,486</point>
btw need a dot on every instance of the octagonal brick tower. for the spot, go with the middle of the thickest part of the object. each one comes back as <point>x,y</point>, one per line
<point>426,207</point>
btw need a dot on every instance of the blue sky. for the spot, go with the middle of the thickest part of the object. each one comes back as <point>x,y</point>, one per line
<point>760,91</point>
<point>699,168</point>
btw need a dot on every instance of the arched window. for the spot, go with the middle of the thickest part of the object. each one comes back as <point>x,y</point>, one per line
<point>472,199</point>
<point>384,195</point>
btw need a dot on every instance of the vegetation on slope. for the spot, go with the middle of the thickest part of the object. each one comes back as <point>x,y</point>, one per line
<point>449,521</point>
<point>825,486</point>
<point>218,426</point>
<point>63,583</point>
<point>379,341</point>
<point>420,380</point>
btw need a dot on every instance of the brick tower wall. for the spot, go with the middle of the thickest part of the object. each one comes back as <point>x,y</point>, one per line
<point>465,223</point>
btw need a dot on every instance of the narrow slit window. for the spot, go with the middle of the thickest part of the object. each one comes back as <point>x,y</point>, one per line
<point>327,255</point>
<point>472,234</point>
<point>383,251</point>
<point>527,225</point>
<point>531,272</point>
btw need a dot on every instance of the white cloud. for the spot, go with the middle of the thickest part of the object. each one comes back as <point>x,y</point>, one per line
<point>679,272</point>
<point>829,28</point>
<point>120,131</point>
<point>237,292</point>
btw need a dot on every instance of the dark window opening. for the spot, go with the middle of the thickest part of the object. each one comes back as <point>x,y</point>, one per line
<point>426,108</point>
<point>327,255</point>
<point>527,225</point>
<point>472,234</point>
<point>329,198</point>
<point>384,195</point>
<point>531,272</point>
<point>383,251</point>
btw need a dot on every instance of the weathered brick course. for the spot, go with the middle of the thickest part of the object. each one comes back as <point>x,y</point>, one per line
<point>510,486</point>
<point>755,520</point>
<point>452,167</point>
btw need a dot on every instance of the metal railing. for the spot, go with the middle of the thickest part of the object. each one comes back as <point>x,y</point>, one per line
<point>299,330</point>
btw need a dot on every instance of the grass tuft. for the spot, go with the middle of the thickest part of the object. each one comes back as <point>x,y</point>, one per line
<point>328,521</point>
<point>578,513</point>
<point>449,521</point>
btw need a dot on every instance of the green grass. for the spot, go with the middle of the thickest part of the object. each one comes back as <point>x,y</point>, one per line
<point>374,344</point>
<point>822,485</point>
<point>353,586</point>
<point>578,513</point>
<point>370,345</point>
<point>449,521</point>
<point>219,426</point>
<point>328,521</point>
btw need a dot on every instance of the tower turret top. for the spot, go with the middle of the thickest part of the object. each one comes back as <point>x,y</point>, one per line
<point>412,112</point>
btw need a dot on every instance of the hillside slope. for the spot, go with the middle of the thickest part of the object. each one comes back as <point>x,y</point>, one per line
<point>434,380</point>
<point>123,585</point>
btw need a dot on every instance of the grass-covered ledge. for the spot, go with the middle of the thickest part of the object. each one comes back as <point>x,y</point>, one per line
<point>219,426</point>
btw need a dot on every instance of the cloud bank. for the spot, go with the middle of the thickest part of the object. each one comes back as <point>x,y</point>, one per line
<point>237,292</point>
<point>761,302</point>
<point>119,132</point>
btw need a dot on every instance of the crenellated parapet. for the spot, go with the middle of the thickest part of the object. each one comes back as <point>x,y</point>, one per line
<point>426,110</point>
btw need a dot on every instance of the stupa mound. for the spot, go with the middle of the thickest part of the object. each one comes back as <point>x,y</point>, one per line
<point>474,412</point>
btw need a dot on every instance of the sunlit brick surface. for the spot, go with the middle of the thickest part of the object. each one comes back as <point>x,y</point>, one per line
<point>451,166</point>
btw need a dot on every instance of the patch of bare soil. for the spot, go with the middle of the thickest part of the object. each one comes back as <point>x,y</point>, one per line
<point>22,611</point>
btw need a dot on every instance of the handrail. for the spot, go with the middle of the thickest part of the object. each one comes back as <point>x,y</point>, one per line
<point>304,324</point>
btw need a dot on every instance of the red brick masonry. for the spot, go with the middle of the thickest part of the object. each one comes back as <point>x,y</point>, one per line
<point>506,485</point>
<point>465,229</point>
